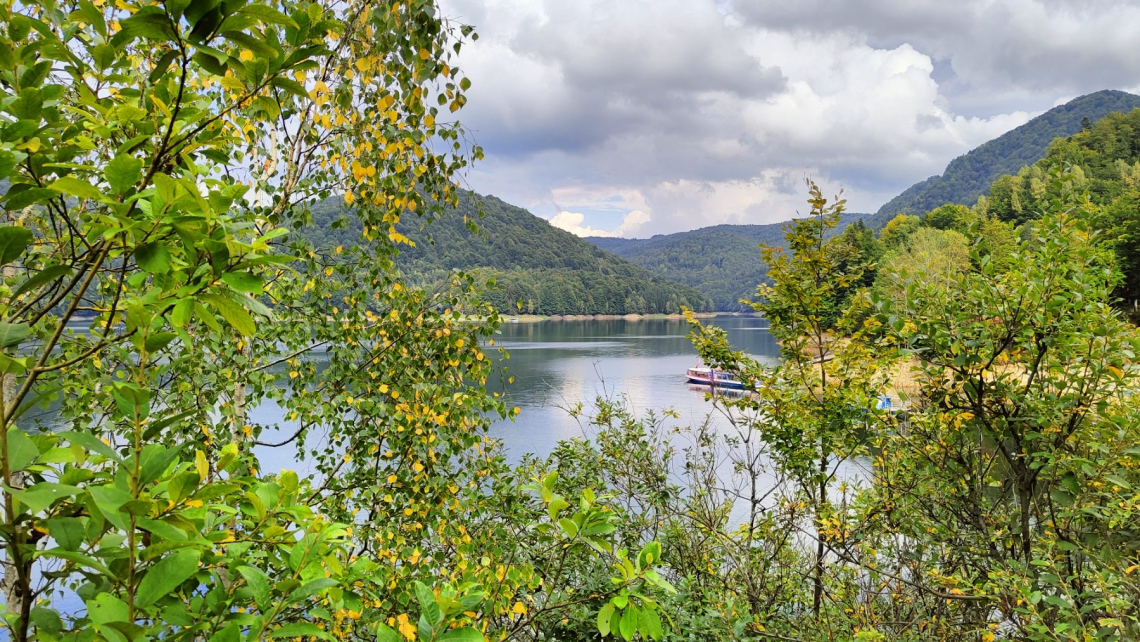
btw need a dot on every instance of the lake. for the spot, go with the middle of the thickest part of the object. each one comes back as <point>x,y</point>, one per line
<point>556,364</point>
<point>559,363</point>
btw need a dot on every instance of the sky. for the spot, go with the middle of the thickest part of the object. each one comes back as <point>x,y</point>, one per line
<point>640,117</point>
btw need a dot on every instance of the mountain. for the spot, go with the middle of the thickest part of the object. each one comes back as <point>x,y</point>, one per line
<point>547,270</point>
<point>1102,162</point>
<point>722,261</point>
<point>970,176</point>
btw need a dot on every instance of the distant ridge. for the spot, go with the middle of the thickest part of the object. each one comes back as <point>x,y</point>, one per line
<point>969,176</point>
<point>721,261</point>
<point>537,267</point>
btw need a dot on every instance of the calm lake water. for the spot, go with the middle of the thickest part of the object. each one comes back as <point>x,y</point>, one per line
<point>557,364</point>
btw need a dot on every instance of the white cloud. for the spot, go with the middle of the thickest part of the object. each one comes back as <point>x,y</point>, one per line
<point>698,112</point>
<point>572,222</point>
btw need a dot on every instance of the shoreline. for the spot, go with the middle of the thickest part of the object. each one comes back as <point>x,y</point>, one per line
<point>537,318</point>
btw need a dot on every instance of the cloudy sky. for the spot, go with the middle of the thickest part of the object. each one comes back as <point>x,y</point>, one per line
<point>641,117</point>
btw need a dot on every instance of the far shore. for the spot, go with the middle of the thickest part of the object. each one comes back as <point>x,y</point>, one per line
<point>535,318</point>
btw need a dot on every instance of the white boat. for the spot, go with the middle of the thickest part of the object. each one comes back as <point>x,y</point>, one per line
<point>715,378</point>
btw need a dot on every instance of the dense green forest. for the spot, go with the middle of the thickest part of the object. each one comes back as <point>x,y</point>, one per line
<point>722,261</point>
<point>1104,160</point>
<point>969,176</point>
<point>536,268</point>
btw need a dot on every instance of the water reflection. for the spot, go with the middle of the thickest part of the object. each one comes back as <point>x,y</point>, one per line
<point>556,364</point>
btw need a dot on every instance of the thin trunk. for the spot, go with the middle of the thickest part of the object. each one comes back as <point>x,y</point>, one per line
<point>820,549</point>
<point>237,424</point>
<point>14,582</point>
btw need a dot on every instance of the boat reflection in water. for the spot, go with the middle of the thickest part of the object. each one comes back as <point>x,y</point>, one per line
<point>716,391</point>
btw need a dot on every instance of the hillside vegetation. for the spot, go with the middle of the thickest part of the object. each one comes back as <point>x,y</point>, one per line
<point>1104,161</point>
<point>723,261</point>
<point>969,176</point>
<point>536,268</point>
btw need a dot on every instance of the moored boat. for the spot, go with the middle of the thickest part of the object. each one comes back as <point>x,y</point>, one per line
<point>715,378</point>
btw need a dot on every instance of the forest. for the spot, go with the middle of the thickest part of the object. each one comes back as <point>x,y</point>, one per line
<point>719,261</point>
<point>165,164</point>
<point>969,176</point>
<point>525,264</point>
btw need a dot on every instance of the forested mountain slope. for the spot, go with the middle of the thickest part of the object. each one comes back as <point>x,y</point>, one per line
<point>722,261</point>
<point>969,176</point>
<point>547,270</point>
<point>1103,160</point>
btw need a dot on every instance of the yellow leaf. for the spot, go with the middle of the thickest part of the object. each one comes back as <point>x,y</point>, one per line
<point>201,466</point>
<point>246,55</point>
<point>229,82</point>
<point>519,608</point>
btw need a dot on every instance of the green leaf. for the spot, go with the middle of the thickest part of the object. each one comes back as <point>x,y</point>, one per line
<point>300,630</point>
<point>182,485</point>
<point>604,616</point>
<point>268,15</point>
<point>291,86</point>
<point>556,505</point>
<point>310,589</point>
<point>162,64</point>
<point>13,241</point>
<point>628,622</point>
<point>11,334</point>
<point>153,257</point>
<point>158,340</point>
<point>68,532</point>
<point>92,443</point>
<point>152,24</point>
<point>39,497</point>
<point>107,608</point>
<point>14,365</point>
<point>568,526</point>
<point>232,312</point>
<point>182,313</point>
<point>76,187</point>
<point>123,172</point>
<point>44,276</point>
<point>1119,481</point>
<point>385,633</point>
<point>18,200</point>
<point>167,575</point>
<point>428,606</point>
<point>109,500</point>
<point>46,621</point>
<point>258,584</point>
<point>650,625</point>
<point>243,282</point>
<point>22,450</point>
<point>466,634</point>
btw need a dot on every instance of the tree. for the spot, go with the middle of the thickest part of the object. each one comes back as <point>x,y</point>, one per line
<point>157,156</point>
<point>949,217</point>
<point>1008,487</point>
<point>929,255</point>
<point>804,418</point>
<point>896,231</point>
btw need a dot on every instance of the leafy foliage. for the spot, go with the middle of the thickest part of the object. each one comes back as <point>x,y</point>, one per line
<point>157,157</point>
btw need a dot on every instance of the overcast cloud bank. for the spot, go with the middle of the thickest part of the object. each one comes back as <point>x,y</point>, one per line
<point>638,117</point>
